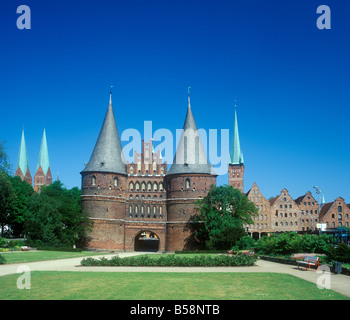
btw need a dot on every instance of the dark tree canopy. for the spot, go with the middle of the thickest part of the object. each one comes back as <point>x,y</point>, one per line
<point>223,212</point>
<point>54,217</point>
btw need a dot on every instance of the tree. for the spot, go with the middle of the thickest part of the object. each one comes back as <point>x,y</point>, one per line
<point>4,165</point>
<point>223,212</point>
<point>6,190</point>
<point>54,217</point>
<point>22,193</point>
<point>7,197</point>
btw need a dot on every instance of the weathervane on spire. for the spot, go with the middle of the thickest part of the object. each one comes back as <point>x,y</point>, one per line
<point>235,103</point>
<point>110,94</point>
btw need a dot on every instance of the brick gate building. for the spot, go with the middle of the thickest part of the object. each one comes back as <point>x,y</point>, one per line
<point>140,205</point>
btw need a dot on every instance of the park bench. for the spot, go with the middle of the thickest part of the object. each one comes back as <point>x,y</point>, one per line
<point>308,261</point>
<point>245,252</point>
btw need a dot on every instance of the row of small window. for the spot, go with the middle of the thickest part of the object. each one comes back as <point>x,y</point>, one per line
<point>259,226</point>
<point>286,224</point>
<point>142,186</point>
<point>115,181</point>
<point>307,220</point>
<point>309,203</point>
<point>307,211</point>
<point>286,206</point>
<point>154,167</point>
<point>142,212</point>
<point>143,197</point>
<point>261,217</point>
<point>285,214</point>
<point>340,224</point>
<point>187,184</point>
<point>340,216</point>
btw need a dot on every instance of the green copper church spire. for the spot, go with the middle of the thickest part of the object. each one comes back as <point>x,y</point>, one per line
<point>22,161</point>
<point>43,160</point>
<point>236,156</point>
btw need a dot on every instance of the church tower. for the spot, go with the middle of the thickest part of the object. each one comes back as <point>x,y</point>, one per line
<point>188,180</point>
<point>43,176</point>
<point>104,182</point>
<point>236,163</point>
<point>22,170</point>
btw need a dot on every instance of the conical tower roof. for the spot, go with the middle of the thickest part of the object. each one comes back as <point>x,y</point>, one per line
<point>190,156</point>
<point>236,156</point>
<point>43,160</point>
<point>22,160</point>
<point>107,155</point>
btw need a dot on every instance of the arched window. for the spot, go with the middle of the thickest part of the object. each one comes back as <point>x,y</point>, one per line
<point>143,186</point>
<point>340,209</point>
<point>130,211</point>
<point>115,182</point>
<point>154,212</point>
<point>155,186</point>
<point>340,217</point>
<point>136,211</point>
<point>131,186</point>
<point>142,211</point>
<point>132,170</point>
<point>188,183</point>
<point>148,211</point>
<point>137,186</point>
<point>93,180</point>
<point>149,186</point>
<point>161,186</point>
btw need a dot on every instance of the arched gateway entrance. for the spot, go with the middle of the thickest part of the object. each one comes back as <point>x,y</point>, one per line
<point>146,241</point>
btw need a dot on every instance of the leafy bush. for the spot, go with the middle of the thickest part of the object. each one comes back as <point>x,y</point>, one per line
<point>16,243</point>
<point>291,242</point>
<point>2,259</point>
<point>3,242</point>
<point>226,238</point>
<point>340,254</point>
<point>173,260</point>
<point>246,242</point>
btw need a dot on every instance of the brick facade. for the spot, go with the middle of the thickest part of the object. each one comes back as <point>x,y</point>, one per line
<point>236,176</point>
<point>336,214</point>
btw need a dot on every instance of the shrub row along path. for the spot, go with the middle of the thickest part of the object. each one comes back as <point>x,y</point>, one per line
<point>339,283</point>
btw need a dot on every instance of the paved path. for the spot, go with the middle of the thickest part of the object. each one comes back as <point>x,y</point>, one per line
<point>338,283</point>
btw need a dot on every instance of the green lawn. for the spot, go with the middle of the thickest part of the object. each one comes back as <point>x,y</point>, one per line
<point>31,256</point>
<point>163,286</point>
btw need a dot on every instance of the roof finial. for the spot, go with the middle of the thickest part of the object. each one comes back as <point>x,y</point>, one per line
<point>235,103</point>
<point>189,98</point>
<point>110,95</point>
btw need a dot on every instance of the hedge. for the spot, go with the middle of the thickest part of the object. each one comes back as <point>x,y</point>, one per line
<point>173,260</point>
<point>2,259</point>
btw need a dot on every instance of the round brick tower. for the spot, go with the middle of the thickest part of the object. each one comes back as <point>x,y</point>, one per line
<point>104,181</point>
<point>187,181</point>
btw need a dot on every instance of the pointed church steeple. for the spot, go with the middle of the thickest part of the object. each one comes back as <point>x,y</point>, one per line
<point>22,162</point>
<point>43,160</point>
<point>190,156</point>
<point>236,156</point>
<point>107,155</point>
<point>236,161</point>
<point>43,174</point>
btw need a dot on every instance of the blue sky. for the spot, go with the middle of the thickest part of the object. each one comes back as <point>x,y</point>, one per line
<point>290,79</point>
